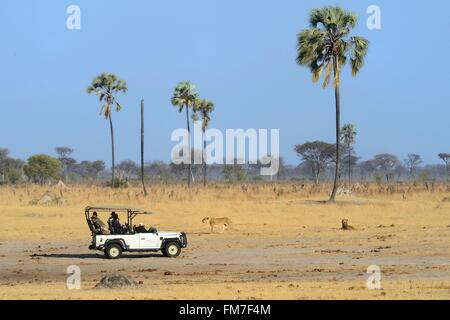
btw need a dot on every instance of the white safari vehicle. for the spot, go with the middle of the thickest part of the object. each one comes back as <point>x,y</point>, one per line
<point>131,239</point>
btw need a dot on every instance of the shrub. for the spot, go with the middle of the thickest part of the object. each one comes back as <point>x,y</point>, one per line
<point>119,183</point>
<point>40,168</point>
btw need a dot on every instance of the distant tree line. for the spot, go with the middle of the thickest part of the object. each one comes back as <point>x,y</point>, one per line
<point>317,164</point>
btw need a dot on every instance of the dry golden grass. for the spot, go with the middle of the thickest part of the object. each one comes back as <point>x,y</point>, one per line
<point>305,290</point>
<point>408,236</point>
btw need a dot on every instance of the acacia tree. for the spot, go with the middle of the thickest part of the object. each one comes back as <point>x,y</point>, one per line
<point>129,168</point>
<point>184,97</point>
<point>367,169</point>
<point>386,163</point>
<point>11,170</point>
<point>65,160</point>
<point>317,155</point>
<point>446,158</point>
<point>412,162</point>
<point>203,108</point>
<point>327,45</point>
<point>90,169</point>
<point>106,86</point>
<point>349,138</point>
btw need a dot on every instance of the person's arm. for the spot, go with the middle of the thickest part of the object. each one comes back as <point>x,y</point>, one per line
<point>95,223</point>
<point>101,223</point>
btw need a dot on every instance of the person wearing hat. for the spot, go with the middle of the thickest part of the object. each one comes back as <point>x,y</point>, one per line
<point>114,224</point>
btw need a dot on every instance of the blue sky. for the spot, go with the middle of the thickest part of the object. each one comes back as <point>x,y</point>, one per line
<point>240,54</point>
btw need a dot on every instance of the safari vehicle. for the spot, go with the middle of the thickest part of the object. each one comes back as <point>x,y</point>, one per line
<point>130,239</point>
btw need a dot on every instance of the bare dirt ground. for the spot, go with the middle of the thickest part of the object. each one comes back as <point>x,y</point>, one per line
<point>282,248</point>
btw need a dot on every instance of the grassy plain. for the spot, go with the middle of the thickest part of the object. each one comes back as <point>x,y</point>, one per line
<point>286,244</point>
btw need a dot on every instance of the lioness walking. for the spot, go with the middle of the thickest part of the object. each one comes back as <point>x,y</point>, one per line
<point>225,223</point>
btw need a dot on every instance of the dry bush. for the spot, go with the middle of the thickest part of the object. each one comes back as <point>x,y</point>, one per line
<point>165,193</point>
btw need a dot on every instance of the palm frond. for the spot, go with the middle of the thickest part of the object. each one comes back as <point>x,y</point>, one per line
<point>105,86</point>
<point>184,95</point>
<point>359,48</point>
<point>333,18</point>
<point>327,40</point>
<point>316,71</point>
<point>327,74</point>
<point>204,107</point>
<point>311,47</point>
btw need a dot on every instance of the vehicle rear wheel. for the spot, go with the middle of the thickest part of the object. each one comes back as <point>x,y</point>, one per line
<point>172,250</point>
<point>113,251</point>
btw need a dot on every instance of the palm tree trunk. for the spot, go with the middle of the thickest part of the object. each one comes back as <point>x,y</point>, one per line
<point>349,165</point>
<point>189,145</point>
<point>112,152</point>
<point>338,134</point>
<point>203,157</point>
<point>142,148</point>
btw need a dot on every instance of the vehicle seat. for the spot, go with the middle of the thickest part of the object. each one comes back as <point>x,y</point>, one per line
<point>92,227</point>
<point>110,227</point>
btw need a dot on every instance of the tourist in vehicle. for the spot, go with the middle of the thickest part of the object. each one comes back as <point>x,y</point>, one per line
<point>114,224</point>
<point>98,224</point>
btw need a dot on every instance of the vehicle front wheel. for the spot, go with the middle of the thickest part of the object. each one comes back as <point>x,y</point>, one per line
<point>113,251</point>
<point>172,250</point>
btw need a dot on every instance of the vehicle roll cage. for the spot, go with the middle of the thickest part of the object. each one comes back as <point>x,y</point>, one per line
<point>130,212</point>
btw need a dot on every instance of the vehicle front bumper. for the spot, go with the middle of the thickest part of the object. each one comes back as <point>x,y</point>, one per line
<point>184,241</point>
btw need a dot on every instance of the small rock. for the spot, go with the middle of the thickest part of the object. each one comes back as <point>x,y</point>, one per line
<point>115,281</point>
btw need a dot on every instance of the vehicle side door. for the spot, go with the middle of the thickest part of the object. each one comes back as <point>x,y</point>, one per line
<point>131,240</point>
<point>149,241</point>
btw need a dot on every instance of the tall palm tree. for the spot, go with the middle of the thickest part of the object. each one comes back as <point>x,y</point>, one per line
<point>203,108</point>
<point>142,149</point>
<point>327,45</point>
<point>185,96</point>
<point>106,86</point>
<point>349,138</point>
